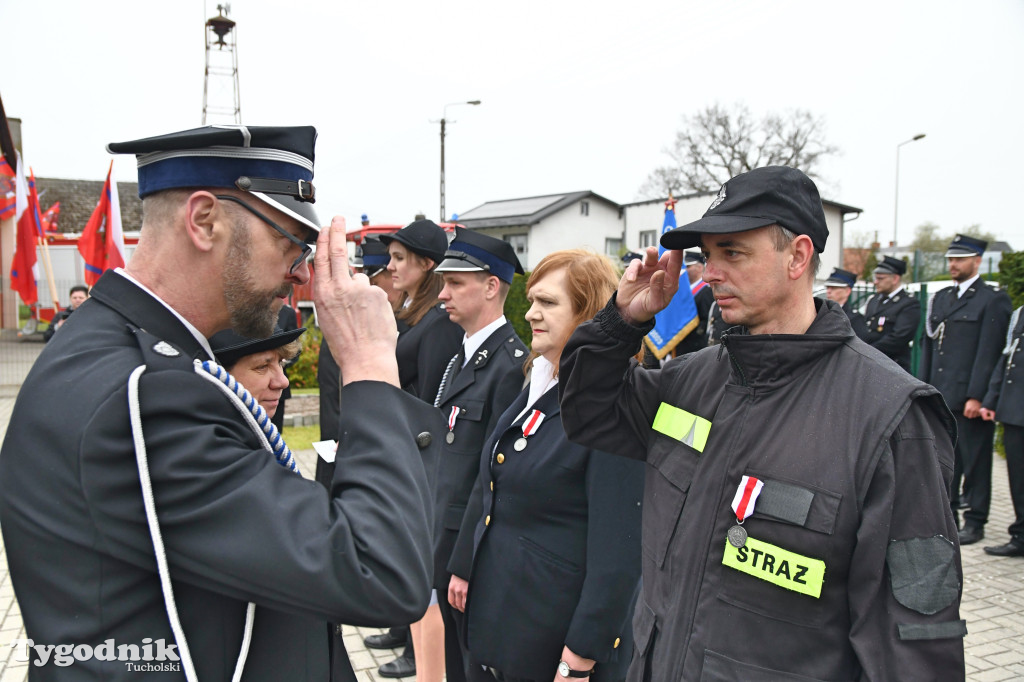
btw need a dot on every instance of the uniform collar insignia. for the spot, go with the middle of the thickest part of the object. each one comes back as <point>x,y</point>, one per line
<point>166,349</point>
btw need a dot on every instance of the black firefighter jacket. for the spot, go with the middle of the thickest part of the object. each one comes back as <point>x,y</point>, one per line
<point>851,569</point>
<point>892,323</point>
<point>1005,392</point>
<point>237,526</point>
<point>424,350</point>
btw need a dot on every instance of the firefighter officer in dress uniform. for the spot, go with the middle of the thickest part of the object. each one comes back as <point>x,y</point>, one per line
<point>892,314</point>
<point>838,287</point>
<point>965,331</point>
<point>479,384</point>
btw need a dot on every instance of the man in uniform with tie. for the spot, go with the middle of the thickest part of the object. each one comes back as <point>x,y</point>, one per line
<point>480,382</point>
<point>838,288</point>
<point>892,314</point>
<point>965,333</point>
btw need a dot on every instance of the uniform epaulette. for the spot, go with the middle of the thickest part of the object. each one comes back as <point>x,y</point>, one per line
<point>515,348</point>
<point>159,355</point>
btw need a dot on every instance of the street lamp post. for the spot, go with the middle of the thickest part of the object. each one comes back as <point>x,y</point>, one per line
<point>444,120</point>
<point>896,201</point>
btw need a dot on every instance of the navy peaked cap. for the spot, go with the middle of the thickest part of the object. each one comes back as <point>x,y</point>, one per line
<point>474,252</point>
<point>229,347</point>
<point>273,163</point>
<point>891,266</point>
<point>772,195</point>
<point>841,278</point>
<point>963,246</point>
<point>375,256</point>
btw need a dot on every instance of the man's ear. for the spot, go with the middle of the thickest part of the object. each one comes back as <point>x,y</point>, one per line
<point>801,254</point>
<point>492,287</point>
<point>203,214</point>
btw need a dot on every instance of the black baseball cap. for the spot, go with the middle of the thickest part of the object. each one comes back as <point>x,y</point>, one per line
<point>424,237</point>
<point>773,195</point>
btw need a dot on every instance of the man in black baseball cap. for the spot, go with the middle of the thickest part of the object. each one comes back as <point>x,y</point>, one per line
<point>160,473</point>
<point>790,412</point>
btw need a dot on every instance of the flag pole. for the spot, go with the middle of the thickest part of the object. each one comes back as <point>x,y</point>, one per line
<point>45,248</point>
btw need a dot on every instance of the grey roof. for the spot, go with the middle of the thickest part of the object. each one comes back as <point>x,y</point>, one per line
<point>524,210</point>
<point>78,199</point>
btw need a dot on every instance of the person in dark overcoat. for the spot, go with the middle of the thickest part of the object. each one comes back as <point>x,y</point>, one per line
<point>161,514</point>
<point>480,382</point>
<point>702,298</point>
<point>838,287</point>
<point>427,340</point>
<point>892,315</point>
<point>964,335</point>
<point>1004,402</point>
<point>547,563</point>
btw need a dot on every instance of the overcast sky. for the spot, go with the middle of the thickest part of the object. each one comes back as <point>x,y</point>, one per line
<point>576,95</point>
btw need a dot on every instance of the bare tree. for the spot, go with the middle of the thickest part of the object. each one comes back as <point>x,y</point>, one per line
<point>718,143</point>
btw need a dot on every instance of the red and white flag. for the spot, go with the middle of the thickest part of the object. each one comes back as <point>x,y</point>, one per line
<point>102,240</point>
<point>24,271</point>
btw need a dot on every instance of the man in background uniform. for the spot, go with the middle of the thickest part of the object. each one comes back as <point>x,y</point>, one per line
<point>892,314</point>
<point>480,382</point>
<point>838,287</point>
<point>965,334</point>
<point>1005,402</point>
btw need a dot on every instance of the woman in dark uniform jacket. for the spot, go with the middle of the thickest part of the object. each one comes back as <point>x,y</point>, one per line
<point>427,339</point>
<point>551,542</point>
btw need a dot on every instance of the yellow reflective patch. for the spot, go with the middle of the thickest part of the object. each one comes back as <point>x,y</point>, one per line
<point>682,426</point>
<point>777,566</point>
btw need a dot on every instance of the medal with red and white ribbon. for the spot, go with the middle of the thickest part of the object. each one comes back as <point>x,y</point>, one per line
<point>530,426</point>
<point>450,436</point>
<point>743,504</point>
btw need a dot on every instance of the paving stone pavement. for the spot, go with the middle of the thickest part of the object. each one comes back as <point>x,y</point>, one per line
<point>993,599</point>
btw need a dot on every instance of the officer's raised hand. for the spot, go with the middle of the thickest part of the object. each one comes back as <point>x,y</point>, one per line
<point>355,316</point>
<point>647,286</point>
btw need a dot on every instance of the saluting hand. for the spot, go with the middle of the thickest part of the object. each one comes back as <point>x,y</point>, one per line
<point>354,315</point>
<point>647,286</point>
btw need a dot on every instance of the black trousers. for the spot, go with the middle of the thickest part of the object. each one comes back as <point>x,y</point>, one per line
<point>1013,440</point>
<point>974,456</point>
<point>458,662</point>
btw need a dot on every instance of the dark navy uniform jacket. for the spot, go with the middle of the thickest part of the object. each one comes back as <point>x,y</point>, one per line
<point>892,324</point>
<point>970,333</point>
<point>1006,389</point>
<point>482,390</point>
<point>556,530</point>
<point>237,526</point>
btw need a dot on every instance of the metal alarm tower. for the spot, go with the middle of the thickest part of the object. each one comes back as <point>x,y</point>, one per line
<point>221,70</point>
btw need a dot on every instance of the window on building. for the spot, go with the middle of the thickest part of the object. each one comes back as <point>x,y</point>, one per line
<point>518,242</point>
<point>584,208</point>
<point>612,247</point>
<point>648,238</point>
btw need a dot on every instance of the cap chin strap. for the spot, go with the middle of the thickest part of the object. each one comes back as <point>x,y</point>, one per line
<point>257,419</point>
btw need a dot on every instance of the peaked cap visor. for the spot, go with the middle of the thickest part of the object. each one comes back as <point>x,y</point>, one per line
<point>229,347</point>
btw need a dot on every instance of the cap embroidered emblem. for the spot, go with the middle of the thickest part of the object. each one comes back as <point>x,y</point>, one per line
<point>166,349</point>
<point>718,200</point>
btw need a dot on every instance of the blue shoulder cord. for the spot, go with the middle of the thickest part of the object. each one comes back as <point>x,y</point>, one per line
<point>277,445</point>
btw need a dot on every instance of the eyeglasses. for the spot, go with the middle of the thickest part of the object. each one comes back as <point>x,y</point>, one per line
<point>306,249</point>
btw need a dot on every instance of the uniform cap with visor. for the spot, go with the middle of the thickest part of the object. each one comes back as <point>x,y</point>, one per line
<point>273,164</point>
<point>841,278</point>
<point>474,252</point>
<point>891,266</point>
<point>963,246</point>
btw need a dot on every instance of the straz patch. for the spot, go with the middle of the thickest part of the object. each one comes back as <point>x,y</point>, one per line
<point>682,426</point>
<point>778,566</point>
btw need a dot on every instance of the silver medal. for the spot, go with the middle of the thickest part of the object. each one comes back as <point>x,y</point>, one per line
<point>737,536</point>
<point>449,437</point>
<point>520,444</point>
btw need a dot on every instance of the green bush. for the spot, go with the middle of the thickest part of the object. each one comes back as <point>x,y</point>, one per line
<point>1011,276</point>
<point>303,373</point>
<point>516,306</point>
